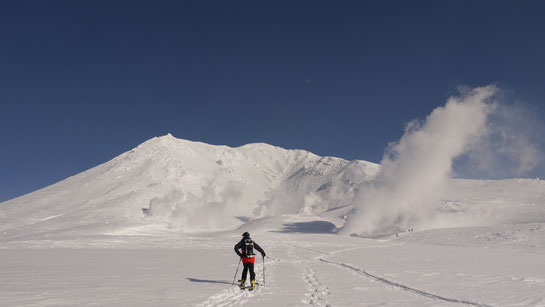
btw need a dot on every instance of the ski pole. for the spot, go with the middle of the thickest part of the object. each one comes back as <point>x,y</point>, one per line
<point>236,272</point>
<point>263,271</point>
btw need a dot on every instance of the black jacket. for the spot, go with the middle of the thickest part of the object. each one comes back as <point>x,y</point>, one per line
<point>240,245</point>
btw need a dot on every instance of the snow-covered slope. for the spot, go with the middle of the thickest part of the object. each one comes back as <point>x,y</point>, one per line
<point>168,185</point>
<point>292,202</point>
<point>189,185</point>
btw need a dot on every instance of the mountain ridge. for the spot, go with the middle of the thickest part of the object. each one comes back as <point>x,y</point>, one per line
<point>169,185</point>
<point>190,185</point>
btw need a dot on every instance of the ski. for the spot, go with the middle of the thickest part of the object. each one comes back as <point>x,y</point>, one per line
<point>249,287</point>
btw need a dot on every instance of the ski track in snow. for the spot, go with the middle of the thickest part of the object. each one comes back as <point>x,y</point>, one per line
<point>235,296</point>
<point>317,293</point>
<point>402,286</point>
<point>383,280</point>
<point>228,297</point>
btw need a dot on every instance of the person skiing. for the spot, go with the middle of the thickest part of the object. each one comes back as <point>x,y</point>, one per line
<point>245,250</point>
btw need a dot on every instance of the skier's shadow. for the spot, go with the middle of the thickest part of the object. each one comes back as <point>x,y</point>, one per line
<point>208,281</point>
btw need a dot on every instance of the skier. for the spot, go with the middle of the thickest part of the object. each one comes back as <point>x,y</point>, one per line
<point>246,247</point>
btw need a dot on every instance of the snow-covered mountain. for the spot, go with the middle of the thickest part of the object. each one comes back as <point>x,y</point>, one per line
<point>190,185</point>
<point>156,226</point>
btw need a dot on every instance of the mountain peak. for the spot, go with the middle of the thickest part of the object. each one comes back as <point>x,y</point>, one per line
<point>194,185</point>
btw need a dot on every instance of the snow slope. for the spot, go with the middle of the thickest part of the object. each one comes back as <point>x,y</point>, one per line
<point>302,269</point>
<point>188,185</point>
<point>87,241</point>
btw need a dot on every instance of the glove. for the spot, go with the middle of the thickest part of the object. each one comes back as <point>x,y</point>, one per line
<point>263,255</point>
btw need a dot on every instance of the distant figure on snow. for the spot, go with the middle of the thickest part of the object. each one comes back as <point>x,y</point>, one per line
<point>246,247</point>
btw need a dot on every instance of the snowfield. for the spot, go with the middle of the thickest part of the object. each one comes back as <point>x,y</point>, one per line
<point>303,269</point>
<point>156,226</point>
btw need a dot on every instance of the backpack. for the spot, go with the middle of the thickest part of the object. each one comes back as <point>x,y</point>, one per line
<point>248,248</point>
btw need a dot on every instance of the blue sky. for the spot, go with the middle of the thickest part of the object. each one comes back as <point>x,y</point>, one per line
<point>84,81</point>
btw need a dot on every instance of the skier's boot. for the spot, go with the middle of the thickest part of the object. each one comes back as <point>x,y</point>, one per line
<point>252,286</point>
<point>242,281</point>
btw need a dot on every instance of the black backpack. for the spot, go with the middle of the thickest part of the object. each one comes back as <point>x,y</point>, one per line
<point>248,249</point>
